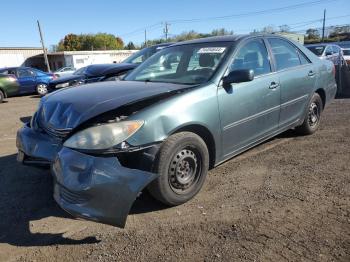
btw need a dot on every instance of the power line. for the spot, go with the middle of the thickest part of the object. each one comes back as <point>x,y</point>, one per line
<point>274,10</point>
<point>141,30</point>
<point>267,11</point>
<point>299,24</point>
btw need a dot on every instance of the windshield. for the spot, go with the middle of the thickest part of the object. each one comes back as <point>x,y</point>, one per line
<point>317,50</point>
<point>140,56</point>
<point>80,71</point>
<point>346,51</point>
<point>183,64</point>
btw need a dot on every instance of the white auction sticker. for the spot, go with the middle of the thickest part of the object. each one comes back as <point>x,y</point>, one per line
<point>215,50</point>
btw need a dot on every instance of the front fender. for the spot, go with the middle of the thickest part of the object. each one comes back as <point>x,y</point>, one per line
<point>194,107</point>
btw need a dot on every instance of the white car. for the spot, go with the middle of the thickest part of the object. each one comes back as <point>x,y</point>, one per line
<point>346,55</point>
<point>67,70</point>
<point>329,52</point>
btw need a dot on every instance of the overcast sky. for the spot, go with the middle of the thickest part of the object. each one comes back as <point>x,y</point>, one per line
<point>129,18</point>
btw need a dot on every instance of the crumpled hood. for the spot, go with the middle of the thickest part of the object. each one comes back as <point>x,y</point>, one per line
<point>68,108</point>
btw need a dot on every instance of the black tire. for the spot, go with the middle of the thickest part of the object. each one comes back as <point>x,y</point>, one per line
<point>2,96</point>
<point>42,89</point>
<point>183,163</point>
<point>313,116</point>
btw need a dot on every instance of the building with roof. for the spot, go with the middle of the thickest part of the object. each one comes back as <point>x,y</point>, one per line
<point>17,56</point>
<point>78,59</point>
<point>34,57</point>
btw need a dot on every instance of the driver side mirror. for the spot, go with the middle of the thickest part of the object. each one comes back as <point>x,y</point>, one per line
<point>238,76</point>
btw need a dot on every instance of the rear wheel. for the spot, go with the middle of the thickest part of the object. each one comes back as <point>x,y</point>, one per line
<point>182,164</point>
<point>41,89</point>
<point>313,116</point>
<point>2,96</point>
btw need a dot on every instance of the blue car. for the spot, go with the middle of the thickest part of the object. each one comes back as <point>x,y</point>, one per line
<point>30,80</point>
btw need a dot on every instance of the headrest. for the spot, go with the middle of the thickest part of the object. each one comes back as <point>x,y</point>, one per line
<point>251,56</point>
<point>206,60</point>
<point>283,56</point>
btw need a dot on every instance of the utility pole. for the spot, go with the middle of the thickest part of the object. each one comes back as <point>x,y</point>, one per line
<point>166,30</point>
<point>145,38</point>
<point>324,23</point>
<point>44,49</point>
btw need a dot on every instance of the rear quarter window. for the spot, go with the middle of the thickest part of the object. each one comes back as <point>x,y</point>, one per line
<point>285,54</point>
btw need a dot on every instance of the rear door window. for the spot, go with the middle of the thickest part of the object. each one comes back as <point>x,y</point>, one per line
<point>303,59</point>
<point>25,73</point>
<point>328,51</point>
<point>285,54</point>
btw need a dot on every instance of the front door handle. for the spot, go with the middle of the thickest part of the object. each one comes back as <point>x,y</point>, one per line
<point>274,85</point>
<point>311,73</point>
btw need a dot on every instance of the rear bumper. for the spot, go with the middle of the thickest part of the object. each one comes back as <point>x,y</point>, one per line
<point>96,188</point>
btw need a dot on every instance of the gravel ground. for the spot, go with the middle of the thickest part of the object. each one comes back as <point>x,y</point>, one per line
<point>285,200</point>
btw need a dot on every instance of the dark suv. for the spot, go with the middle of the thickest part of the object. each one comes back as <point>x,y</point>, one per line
<point>106,72</point>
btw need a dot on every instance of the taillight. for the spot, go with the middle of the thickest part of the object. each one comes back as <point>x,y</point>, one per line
<point>333,71</point>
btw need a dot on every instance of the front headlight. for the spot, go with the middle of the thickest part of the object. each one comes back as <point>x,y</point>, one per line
<point>103,136</point>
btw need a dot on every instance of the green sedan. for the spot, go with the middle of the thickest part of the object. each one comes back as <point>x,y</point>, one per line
<point>186,109</point>
<point>8,86</point>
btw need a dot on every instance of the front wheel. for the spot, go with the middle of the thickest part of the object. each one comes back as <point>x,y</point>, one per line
<point>312,117</point>
<point>182,163</point>
<point>41,89</point>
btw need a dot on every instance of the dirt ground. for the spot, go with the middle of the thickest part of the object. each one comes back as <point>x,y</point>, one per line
<point>285,200</point>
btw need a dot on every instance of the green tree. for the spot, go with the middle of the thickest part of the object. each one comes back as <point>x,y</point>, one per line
<point>284,28</point>
<point>130,46</point>
<point>220,32</point>
<point>83,42</point>
<point>70,42</point>
<point>312,33</point>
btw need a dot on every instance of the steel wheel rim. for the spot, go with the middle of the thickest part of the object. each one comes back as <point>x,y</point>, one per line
<point>42,89</point>
<point>184,170</point>
<point>314,114</point>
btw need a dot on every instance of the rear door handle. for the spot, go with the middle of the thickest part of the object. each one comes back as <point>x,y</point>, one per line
<point>274,85</point>
<point>311,73</point>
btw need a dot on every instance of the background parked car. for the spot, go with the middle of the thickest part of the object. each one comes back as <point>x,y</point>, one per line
<point>8,86</point>
<point>106,72</point>
<point>346,55</point>
<point>334,53</point>
<point>30,80</point>
<point>326,51</point>
<point>67,70</point>
<point>90,74</point>
<point>142,55</point>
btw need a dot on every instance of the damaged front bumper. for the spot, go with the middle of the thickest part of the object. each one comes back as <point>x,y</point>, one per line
<point>96,188</point>
<point>91,187</point>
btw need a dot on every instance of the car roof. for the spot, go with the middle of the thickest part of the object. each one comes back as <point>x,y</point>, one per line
<point>227,38</point>
<point>162,44</point>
